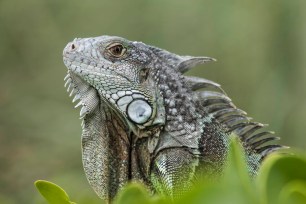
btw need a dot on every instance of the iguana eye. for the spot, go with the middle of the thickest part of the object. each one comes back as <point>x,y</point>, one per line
<point>116,50</point>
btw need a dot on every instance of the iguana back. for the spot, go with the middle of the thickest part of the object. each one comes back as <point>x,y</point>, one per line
<point>143,120</point>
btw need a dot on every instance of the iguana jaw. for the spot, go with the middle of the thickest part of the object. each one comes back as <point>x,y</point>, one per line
<point>89,98</point>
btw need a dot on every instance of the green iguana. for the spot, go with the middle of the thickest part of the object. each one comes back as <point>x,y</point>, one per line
<point>143,120</point>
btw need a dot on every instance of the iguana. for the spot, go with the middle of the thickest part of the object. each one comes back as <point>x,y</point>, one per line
<point>143,120</point>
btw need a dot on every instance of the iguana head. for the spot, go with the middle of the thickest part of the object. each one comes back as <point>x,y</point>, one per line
<point>117,71</point>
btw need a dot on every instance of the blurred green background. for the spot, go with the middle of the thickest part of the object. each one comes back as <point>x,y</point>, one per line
<point>260,46</point>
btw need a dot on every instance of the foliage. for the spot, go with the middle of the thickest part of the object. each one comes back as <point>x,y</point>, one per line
<point>282,179</point>
<point>52,192</point>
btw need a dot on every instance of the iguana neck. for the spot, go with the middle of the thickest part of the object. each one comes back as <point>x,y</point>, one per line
<point>182,126</point>
<point>105,151</point>
<point>116,154</point>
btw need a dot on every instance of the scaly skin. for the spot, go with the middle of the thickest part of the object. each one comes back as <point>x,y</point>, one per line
<point>144,121</point>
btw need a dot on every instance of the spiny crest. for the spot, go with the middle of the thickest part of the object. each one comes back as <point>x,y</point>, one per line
<point>180,63</point>
<point>212,97</point>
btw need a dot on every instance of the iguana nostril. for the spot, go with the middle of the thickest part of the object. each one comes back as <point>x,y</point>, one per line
<point>73,47</point>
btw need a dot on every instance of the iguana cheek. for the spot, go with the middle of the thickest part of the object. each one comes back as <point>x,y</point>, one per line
<point>139,111</point>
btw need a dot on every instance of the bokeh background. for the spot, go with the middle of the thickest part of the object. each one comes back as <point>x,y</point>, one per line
<point>260,46</point>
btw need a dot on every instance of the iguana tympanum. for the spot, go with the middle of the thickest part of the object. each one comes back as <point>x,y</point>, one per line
<point>143,120</point>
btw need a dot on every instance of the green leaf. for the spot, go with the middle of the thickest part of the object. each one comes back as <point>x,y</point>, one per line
<point>236,175</point>
<point>52,192</point>
<point>293,192</point>
<point>133,193</point>
<point>279,174</point>
<point>236,168</point>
